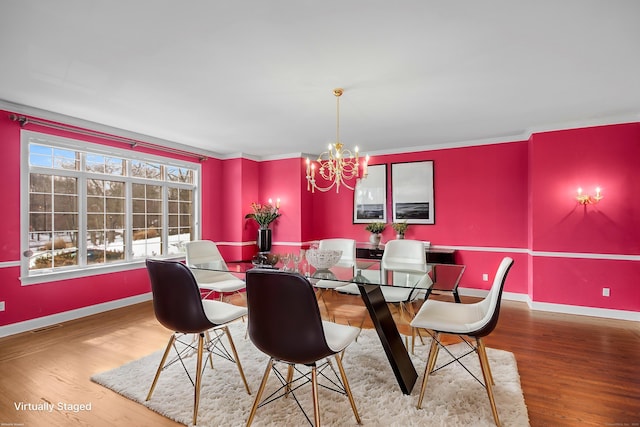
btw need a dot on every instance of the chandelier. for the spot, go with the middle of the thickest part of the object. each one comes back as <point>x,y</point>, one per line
<point>337,166</point>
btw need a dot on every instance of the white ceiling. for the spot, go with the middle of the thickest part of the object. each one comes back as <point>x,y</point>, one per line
<point>256,77</point>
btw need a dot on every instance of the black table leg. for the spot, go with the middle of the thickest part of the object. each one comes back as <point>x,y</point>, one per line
<point>387,330</point>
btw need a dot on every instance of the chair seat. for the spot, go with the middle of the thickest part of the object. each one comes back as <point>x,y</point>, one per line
<point>221,312</point>
<point>351,289</point>
<point>225,286</point>
<point>397,294</point>
<point>444,316</point>
<point>403,265</point>
<point>392,294</point>
<point>339,336</point>
<point>328,284</point>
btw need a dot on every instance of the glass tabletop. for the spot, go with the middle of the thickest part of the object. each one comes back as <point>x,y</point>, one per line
<point>366,272</point>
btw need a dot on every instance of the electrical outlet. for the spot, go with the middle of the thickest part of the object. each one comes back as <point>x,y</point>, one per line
<point>485,277</point>
<point>605,292</point>
<point>1,305</point>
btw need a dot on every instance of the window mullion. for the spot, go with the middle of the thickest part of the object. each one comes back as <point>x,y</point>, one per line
<point>82,215</point>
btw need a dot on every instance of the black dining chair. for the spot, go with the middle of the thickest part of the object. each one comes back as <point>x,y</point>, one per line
<point>284,322</point>
<point>475,321</point>
<point>178,307</point>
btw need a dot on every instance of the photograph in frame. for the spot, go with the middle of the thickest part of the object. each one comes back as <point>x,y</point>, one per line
<point>412,192</point>
<point>370,196</point>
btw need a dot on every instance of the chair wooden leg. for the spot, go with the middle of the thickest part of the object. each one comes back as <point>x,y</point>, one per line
<point>196,400</point>
<point>435,358</point>
<point>256,402</point>
<point>414,332</point>
<point>484,351</point>
<point>314,394</point>
<point>413,340</point>
<point>210,356</point>
<point>289,379</point>
<point>235,356</point>
<point>433,355</point>
<point>164,359</point>
<point>345,382</point>
<point>486,373</point>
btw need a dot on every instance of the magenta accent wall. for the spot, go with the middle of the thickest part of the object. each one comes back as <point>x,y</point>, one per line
<point>562,161</point>
<point>512,199</point>
<point>604,156</point>
<point>481,200</point>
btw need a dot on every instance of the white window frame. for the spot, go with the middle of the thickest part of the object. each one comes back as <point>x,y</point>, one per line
<point>29,277</point>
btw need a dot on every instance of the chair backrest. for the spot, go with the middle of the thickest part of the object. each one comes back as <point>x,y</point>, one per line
<point>403,256</point>
<point>283,317</point>
<point>176,297</point>
<point>204,252</point>
<point>348,248</point>
<point>490,306</point>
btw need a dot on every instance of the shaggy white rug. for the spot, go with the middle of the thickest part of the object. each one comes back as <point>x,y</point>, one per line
<point>453,397</point>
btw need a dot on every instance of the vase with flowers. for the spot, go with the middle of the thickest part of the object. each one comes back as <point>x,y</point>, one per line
<point>375,228</point>
<point>264,215</point>
<point>400,228</point>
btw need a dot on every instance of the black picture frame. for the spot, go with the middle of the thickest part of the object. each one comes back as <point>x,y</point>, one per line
<point>370,196</point>
<point>413,198</point>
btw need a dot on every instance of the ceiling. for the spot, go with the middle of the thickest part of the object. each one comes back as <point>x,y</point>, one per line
<point>257,77</point>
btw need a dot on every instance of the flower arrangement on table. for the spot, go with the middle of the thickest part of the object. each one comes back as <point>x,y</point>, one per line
<point>263,214</point>
<point>376,227</point>
<point>400,227</point>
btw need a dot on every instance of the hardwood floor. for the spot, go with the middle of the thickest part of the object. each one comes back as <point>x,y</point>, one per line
<point>574,370</point>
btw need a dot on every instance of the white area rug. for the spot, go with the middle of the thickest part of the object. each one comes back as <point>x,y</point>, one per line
<point>453,397</point>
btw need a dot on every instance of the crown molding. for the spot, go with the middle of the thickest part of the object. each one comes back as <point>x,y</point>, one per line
<point>102,128</point>
<point>516,137</point>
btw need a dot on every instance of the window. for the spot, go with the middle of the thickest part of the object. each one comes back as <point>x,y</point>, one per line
<point>89,206</point>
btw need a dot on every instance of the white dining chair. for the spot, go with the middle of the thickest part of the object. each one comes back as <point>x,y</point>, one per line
<point>205,253</point>
<point>475,321</point>
<point>347,260</point>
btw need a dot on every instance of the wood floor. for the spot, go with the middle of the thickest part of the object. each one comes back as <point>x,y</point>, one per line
<point>574,370</point>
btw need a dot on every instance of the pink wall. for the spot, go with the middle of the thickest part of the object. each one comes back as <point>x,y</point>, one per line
<point>562,161</point>
<point>604,156</point>
<point>515,199</point>
<point>481,198</point>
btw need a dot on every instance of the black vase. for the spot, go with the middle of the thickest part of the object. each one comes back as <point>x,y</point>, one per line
<point>264,240</point>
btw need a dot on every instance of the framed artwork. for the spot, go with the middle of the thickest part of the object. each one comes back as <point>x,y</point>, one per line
<point>370,196</point>
<point>412,191</point>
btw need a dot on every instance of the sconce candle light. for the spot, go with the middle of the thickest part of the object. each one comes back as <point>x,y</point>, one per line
<point>277,202</point>
<point>585,199</point>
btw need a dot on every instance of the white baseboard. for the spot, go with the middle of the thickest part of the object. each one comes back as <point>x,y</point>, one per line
<point>557,308</point>
<point>41,322</point>
<point>53,319</point>
<point>586,311</point>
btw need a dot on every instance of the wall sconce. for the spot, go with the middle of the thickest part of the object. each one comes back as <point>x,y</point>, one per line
<point>277,202</point>
<point>585,199</point>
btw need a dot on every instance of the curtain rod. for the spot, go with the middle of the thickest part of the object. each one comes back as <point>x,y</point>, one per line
<point>24,121</point>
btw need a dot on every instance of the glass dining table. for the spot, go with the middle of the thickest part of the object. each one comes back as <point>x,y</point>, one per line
<point>368,282</point>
